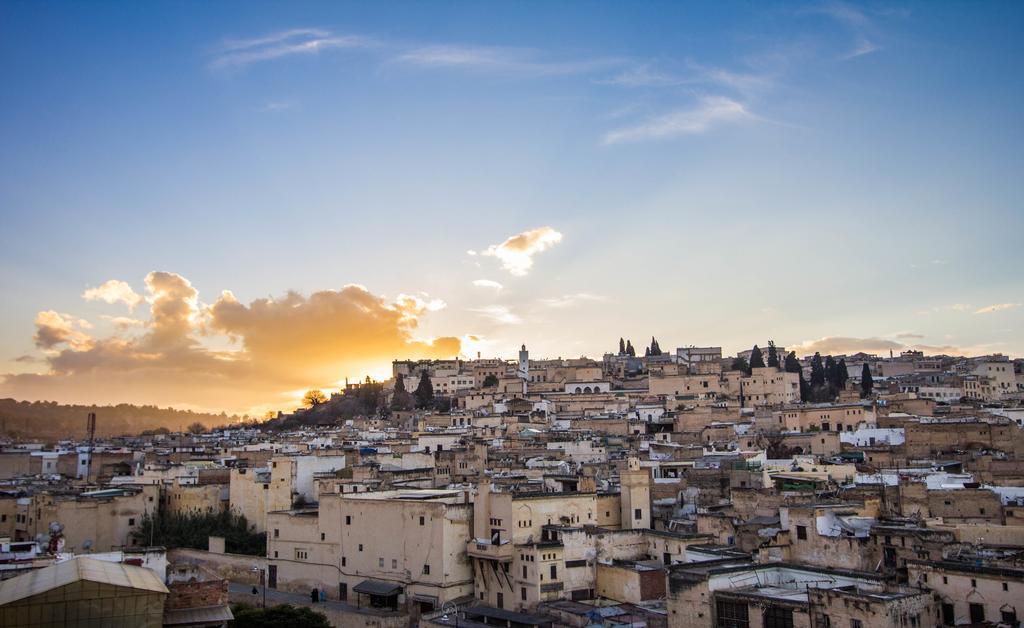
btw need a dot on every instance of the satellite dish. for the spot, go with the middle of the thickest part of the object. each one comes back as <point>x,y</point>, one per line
<point>87,544</point>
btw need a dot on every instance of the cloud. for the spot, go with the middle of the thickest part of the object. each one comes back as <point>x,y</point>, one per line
<point>909,335</point>
<point>516,253</point>
<point>710,111</point>
<point>853,19</point>
<point>54,329</point>
<point>998,307</point>
<point>113,291</point>
<point>643,76</point>
<point>498,314</point>
<point>568,300</point>
<point>515,61</point>
<point>845,345</point>
<point>229,355</point>
<point>488,283</point>
<point>840,345</point>
<point>300,41</point>
<point>123,322</point>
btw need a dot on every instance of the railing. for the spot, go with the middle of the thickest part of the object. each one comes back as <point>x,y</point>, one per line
<point>490,551</point>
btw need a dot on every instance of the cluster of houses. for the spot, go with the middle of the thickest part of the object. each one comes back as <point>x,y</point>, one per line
<point>662,490</point>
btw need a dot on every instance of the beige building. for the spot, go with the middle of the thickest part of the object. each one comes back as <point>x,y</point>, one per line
<point>412,540</point>
<point>96,521</point>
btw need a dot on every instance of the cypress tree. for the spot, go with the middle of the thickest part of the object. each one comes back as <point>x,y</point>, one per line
<point>792,365</point>
<point>629,348</point>
<point>400,383</point>
<point>773,354</point>
<point>622,346</point>
<point>817,372</point>
<point>866,381</point>
<point>830,371</point>
<point>842,375</point>
<point>756,358</point>
<point>424,391</point>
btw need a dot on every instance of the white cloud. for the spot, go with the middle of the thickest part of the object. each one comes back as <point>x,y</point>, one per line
<point>516,253</point>
<point>299,41</point>
<point>498,314</point>
<point>487,283</point>
<point>113,291</point>
<point>998,307</point>
<point>711,111</point>
<point>860,26</point>
<point>518,61</point>
<point>568,300</point>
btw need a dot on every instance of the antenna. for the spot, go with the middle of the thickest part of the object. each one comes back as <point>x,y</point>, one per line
<point>90,430</point>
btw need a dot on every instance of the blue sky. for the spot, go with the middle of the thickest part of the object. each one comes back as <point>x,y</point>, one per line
<point>833,176</point>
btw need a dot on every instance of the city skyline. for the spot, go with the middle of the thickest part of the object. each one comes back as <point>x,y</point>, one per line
<point>219,208</point>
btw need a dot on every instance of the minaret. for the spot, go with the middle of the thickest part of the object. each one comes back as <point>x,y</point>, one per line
<point>524,367</point>
<point>634,495</point>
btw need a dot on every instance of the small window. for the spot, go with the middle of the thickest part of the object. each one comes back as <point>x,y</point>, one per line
<point>1006,587</point>
<point>360,547</point>
<point>131,521</point>
<point>344,561</point>
<point>322,536</point>
<point>380,562</point>
<point>801,533</point>
<point>277,533</point>
<point>422,520</point>
<point>348,520</point>
<point>637,514</point>
<point>426,570</point>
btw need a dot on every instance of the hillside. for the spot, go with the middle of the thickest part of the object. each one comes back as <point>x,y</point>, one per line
<point>52,420</point>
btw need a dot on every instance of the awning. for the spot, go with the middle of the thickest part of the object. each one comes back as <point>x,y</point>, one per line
<point>377,587</point>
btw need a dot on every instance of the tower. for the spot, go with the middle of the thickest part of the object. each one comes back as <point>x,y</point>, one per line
<point>524,367</point>
<point>634,495</point>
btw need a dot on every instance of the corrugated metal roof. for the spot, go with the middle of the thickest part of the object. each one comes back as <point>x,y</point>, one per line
<point>81,568</point>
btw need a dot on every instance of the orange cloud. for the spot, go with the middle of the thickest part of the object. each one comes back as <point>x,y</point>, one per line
<point>113,291</point>
<point>285,344</point>
<point>516,253</point>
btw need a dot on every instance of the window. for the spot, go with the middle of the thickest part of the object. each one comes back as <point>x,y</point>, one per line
<point>380,562</point>
<point>637,514</point>
<point>301,554</point>
<point>344,561</point>
<point>522,593</point>
<point>554,572</point>
<point>801,533</point>
<point>856,623</point>
<point>500,600</point>
<point>348,520</point>
<point>422,519</point>
<point>131,521</point>
<point>524,572</point>
<point>977,613</point>
<point>974,583</point>
<point>322,536</point>
<point>778,617</point>
<point>360,547</point>
<point>277,533</point>
<point>1009,617</point>
<point>1006,587</point>
<point>731,615</point>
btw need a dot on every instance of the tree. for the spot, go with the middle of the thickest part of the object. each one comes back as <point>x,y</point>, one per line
<point>424,391</point>
<point>629,348</point>
<point>655,348</point>
<point>867,383</point>
<point>756,358</point>
<point>647,352</point>
<point>622,347</point>
<point>281,616</point>
<point>400,383</point>
<point>792,365</point>
<point>313,397</point>
<point>817,372</point>
<point>401,399</point>
<point>773,355</point>
<point>739,364</point>
<point>830,371</point>
<point>490,381</point>
<point>196,428</point>
<point>842,375</point>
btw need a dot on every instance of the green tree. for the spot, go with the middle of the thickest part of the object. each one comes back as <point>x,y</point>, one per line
<point>196,428</point>
<point>313,397</point>
<point>622,347</point>
<point>792,365</point>
<point>655,347</point>
<point>773,355</point>
<point>740,364</point>
<point>491,380</point>
<point>424,391</point>
<point>629,348</point>
<point>817,372</point>
<point>756,358</point>
<point>400,383</point>
<point>193,530</point>
<point>842,375</point>
<point>281,616</point>
<point>867,383</point>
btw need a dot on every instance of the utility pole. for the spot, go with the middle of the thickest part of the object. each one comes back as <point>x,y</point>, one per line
<point>90,429</point>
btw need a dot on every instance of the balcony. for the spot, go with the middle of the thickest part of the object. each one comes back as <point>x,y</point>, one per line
<point>483,548</point>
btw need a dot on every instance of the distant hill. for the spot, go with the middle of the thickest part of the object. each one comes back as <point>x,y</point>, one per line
<point>51,420</point>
